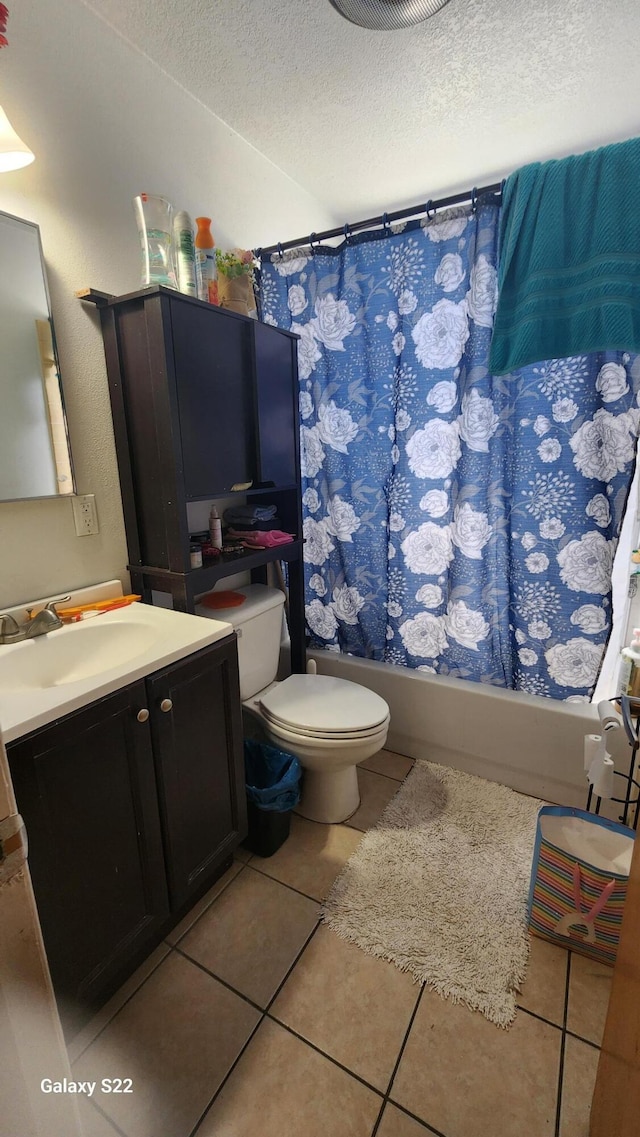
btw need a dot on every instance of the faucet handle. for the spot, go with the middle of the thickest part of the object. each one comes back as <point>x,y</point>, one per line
<point>10,631</point>
<point>51,606</point>
<point>8,625</point>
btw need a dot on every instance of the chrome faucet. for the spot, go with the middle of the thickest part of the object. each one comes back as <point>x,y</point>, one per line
<point>47,620</point>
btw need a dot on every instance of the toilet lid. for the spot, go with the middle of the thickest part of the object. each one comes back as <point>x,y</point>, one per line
<point>324,705</point>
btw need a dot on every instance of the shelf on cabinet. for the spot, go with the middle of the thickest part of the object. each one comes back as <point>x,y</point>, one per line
<point>262,490</point>
<point>202,579</point>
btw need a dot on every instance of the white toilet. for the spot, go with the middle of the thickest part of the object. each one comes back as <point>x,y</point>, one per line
<point>330,724</point>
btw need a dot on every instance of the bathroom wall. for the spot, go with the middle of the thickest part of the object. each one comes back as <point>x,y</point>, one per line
<point>105,123</point>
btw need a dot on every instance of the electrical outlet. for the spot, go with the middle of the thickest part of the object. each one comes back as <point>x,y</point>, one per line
<point>84,514</point>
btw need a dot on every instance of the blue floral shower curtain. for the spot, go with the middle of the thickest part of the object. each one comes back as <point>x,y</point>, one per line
<point>454,521</point>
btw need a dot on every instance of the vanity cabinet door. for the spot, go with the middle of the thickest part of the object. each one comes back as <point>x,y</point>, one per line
<point>85,787</point>
<point>197,740</point>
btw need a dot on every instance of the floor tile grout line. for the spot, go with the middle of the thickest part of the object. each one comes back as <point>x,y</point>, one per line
<point>170,948</point>
<point>540,1018</point>
<point>399,1058</point>
<point>414,1117</point>
<point>292,968</point>
<point>562,1049</point>
<point>210,904</point>
<point>228,1074</point>
<point>376,1125</point>
<point>323,1054</point>
<point>127,1000</point>
<point>580,1038</point>
<point>560,1081</point>
<point>263,1016</point>
<point>116,1128</point>
<point>389,777</point>
<point>285,885</point>
<point>218,978</point>
<point>567,992</point>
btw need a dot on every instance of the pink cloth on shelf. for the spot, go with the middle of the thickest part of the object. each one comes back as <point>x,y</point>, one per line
<point>261,539</point>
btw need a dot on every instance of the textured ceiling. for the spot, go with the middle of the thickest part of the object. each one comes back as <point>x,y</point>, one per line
<point>368,121</point>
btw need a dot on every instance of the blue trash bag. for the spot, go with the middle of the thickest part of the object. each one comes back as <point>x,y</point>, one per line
<point>272,777</point>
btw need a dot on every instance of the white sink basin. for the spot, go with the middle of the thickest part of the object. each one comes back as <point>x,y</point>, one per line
<point>50,676</point>
<point>76,652</point>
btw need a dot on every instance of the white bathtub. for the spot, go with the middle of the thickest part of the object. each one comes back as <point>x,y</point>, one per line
<point>532,744</point>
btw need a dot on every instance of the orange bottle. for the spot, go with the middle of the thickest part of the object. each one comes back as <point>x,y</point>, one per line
<point>206,271</point>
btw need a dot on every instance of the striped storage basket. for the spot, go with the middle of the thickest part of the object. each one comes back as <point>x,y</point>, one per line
<point>579,881</point>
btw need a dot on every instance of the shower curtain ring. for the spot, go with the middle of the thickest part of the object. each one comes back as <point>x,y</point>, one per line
<point>428,207</point>
<point>347,232</point>
<point>385,222</point>
<point>311,237</point>
<point>280,252</point>
<point>474,199</point>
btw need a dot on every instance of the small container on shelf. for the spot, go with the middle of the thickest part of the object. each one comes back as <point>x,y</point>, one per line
<point>195,554</point>
<point>215,528</point>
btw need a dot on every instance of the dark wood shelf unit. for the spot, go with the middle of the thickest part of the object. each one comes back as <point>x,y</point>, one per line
<point>202,399</point>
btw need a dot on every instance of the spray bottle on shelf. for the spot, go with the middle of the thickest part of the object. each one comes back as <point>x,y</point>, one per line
<point>206,269</point>
<point>215,528</point>
<point>629,676</point>
<point>184,252</point>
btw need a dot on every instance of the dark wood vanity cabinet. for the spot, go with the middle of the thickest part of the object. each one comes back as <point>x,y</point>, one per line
<point>132,808</point>
<point>86,789</point>
<point>196,727</point>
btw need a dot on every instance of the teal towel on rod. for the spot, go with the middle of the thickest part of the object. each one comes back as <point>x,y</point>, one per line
<point>569,264</point>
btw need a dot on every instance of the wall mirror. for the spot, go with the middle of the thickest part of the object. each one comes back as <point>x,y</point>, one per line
<point>35,458</point>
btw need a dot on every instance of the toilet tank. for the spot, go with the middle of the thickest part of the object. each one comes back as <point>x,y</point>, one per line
<point>258,625</point>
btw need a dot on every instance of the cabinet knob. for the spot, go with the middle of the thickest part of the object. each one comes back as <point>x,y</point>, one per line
<point>142,715</point>
<point>166,705</point>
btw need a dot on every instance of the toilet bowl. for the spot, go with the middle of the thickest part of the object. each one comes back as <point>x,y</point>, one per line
<point>330,724</point>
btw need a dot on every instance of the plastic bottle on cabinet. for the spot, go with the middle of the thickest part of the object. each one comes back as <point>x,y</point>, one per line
<point>215,528</point>
<point>184,252</point>
<point>153,217</point>
<point>629,677</point>
<point>206,270</point>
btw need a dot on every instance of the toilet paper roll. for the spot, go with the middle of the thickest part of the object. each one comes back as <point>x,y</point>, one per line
<point>603,782</point>
<point>592,749</point>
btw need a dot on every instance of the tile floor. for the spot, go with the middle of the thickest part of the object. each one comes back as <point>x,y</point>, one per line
<point>253,1018</point>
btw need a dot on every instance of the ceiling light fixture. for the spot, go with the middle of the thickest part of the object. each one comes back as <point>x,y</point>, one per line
<point>13,152</point>
<point>386,15</point>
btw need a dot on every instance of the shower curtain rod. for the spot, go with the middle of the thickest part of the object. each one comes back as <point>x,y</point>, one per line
<point>347,230</point>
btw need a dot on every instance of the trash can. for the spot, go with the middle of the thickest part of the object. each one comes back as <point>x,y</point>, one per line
<point>273,789</point>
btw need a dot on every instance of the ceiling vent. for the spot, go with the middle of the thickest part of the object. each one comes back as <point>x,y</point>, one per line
<point>386,15</point>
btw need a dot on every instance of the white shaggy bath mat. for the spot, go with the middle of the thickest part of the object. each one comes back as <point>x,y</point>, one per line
<point>440,886</point>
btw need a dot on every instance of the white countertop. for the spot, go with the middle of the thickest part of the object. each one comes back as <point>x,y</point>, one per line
<point>154,638</point>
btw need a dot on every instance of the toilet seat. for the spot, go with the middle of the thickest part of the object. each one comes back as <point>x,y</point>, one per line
<point>323,707</point>
<point>324,744</point>
<point>333,736</point>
